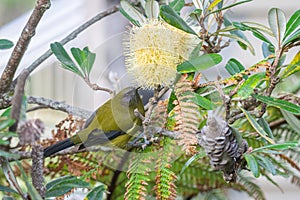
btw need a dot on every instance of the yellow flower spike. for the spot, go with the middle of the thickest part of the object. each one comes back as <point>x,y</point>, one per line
<point>154,50</point>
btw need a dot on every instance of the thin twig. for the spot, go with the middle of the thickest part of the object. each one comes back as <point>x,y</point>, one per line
<point>97,87</point>
<point>56,105</point>
<point>73,35</point>
<point>22,44</point>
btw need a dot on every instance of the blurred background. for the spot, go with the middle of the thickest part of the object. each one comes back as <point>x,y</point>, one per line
<point>105,38</point>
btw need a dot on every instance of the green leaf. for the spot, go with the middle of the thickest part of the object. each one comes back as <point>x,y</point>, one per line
<point>85,59</point>
<point>6,154</point>
<point>257,127</point>
<point>132,14</point>
<point>293,67</point>
<point>294,37</point>
<point>191,160</point>
<point>96,193</point>
<point>152,9</point>
<point>199,63</point>
<point>10,176</point>
<point>6,113</point>
<point>230,6</point>
<point>240,39</point>
<point>6,44</point>
<point>203,102</point>
<point>8,198</point>
<point>213,4</point>
<point>292,24</point>
<point>267,49</point>
<point>247,87</point>
<point>7,189</point>
<point>255,31</point>
<point>264,124</point>
<point>293,121</point>
<point>6,123</point>
<point>33,193</point>
<point>252,164</point>
<point>172,18</point>
<point>268,165</point>
<point>177,5</point>
<point>285,105</point>
<point>277,23</point>
<point>233,66</point>
<point>280,147</point>
<point>238,33</point>
<point>64,58</point>
<point>196,51</point>
<point>63,185</point>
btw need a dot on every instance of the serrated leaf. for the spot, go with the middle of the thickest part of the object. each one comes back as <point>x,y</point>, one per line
<point>238,33</point>
<point>293,121</point>
<point>177,5</point>
<point>293,67</point>
<point>191,160</point>
<point>199,63</point>
<point>233,66</point>
<point>96,193</point>
<point>7,189</point>
<point>203,102</point>
<point>239,39</point>
<point>6,44</point>
<point>277,23</point>
<point>152,9</point>
<point>285,105</point>
<point>257,127</point>
<point>255,31</point>
<point>252,164</point>
<point>62,185</point>
<point>247,87</point>
<point>267,164</point>
<point>282,146</point>
<point>172,18</point>
<point>61,54</point>
<point>264,124</point>
<point>132,14</point>
<point>292,24</point>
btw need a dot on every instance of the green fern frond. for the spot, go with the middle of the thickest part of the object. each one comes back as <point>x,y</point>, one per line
<point>138,177</point>
<point>251,188</point>
<point>165,187</point>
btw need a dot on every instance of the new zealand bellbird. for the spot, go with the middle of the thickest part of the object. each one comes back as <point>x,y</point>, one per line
<point>112,124</point>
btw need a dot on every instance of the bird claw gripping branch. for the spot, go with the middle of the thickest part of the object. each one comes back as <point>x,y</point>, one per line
<point>222,146</point>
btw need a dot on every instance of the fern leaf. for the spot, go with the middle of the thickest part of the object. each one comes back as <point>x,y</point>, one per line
<point>187,115</point>
<point>138,176</point>
<point>165,187</point>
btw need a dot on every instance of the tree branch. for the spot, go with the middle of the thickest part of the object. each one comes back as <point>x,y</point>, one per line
<point>22,44</point>
<point>56,105</point>
<point>73,35</point>
<point>17,100</point>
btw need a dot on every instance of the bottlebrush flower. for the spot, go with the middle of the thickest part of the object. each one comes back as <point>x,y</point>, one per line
<point>153,51</point>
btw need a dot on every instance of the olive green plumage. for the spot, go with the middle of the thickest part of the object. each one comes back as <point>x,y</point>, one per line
<point>113,124</point>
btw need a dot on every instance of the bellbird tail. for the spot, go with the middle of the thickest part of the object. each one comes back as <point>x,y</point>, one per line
<point>112,124</point>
